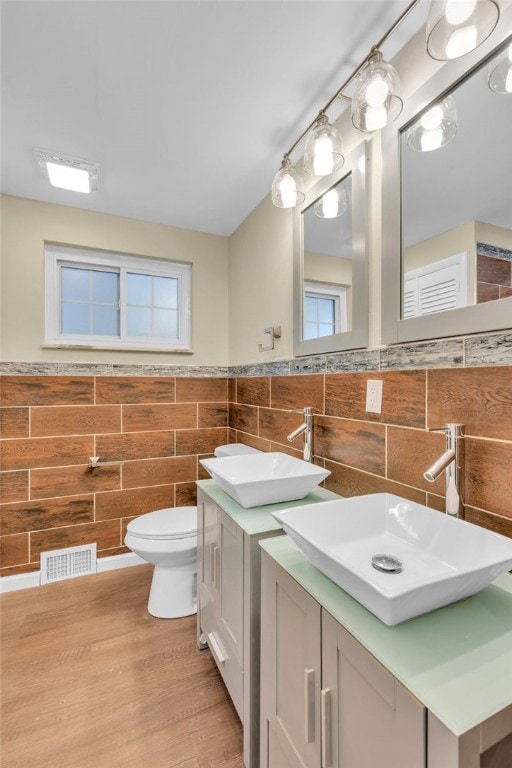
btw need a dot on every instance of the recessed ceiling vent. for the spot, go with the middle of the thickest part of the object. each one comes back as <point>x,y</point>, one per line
<point>59,564</point>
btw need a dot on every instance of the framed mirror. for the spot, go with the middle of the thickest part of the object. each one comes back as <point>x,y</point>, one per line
<point>330,262</point>
<point>447,202</point>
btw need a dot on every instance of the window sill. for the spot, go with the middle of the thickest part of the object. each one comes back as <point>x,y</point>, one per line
<point>168,351</point>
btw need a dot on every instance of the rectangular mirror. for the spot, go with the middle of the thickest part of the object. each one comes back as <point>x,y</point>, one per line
<point>447,202</point>
<point>330,263</point>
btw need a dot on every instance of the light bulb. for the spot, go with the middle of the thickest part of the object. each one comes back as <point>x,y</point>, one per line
<point>330,204</point>
<point>323,162</point>
<point>288,190</point>
<point>461,41</point>
<point>377,92</point>
<point>458,11</point>
<point>432,139</point>
<point>376,117</point>
<point>432,118</point>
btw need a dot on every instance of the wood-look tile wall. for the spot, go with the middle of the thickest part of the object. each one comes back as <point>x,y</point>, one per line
<point>157,427</point>
<point>388,452</point>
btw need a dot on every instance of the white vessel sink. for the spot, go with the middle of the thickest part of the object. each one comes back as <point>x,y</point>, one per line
<point>264,478</point>
<point>443,558</point>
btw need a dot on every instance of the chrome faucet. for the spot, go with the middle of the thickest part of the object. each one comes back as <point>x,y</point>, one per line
<point>306,428</point>
<point>452,463</point>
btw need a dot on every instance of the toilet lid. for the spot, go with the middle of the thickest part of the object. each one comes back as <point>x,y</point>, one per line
<point>169,523</point>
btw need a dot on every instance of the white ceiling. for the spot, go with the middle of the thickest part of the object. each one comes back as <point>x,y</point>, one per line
<point>187,106</point>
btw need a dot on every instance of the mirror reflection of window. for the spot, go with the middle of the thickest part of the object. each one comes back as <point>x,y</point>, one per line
<point>456,167</point>
<point>327,227</point>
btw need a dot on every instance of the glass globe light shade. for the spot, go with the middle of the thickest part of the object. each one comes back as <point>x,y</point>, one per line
<point>332,204</point>
<point>500,72</point>
<point>287,191</point>
<point>456,27</point>
<point>376,101</point>
<point>435,128</point>
<point>323,153</point>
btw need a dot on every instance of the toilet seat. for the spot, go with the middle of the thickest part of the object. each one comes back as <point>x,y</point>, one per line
<point>169,523</point>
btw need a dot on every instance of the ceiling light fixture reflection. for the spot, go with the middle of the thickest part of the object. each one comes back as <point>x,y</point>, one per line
<point>332,204</point>
<point>500,72</point>
<point>376,101</point>
<point>456,27</point>
<point>435,128</point>
<point>287,191</point>
<point>323,153</point>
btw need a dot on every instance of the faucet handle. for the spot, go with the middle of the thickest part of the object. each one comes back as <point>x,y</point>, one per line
<point>456,428</point>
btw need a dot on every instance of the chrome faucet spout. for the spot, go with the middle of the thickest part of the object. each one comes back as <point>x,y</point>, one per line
<point>452,463</point>
<point>306,429</point>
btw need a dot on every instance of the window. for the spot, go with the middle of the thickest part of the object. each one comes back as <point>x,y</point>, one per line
<point>111,300</point>
<point>325,310</point>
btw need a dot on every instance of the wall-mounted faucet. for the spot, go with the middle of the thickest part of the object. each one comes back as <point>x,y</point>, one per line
<point>306,428</point>
<point>452,463</point>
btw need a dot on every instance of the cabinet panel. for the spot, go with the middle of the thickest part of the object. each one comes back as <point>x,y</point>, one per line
<point>372,720</point>
<point>290,673</point>
<point>230,571</point>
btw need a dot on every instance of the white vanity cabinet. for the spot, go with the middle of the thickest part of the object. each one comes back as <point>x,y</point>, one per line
<point>340,689</point>
<point>326,701</point>
<point>228,594</point>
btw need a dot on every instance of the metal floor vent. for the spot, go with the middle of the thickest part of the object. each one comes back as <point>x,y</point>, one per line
<point>59,564</point>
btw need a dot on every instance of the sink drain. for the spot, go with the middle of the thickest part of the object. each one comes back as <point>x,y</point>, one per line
<point>387,563</point>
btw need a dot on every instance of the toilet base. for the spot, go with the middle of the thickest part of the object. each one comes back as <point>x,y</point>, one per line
<point>173,592</point>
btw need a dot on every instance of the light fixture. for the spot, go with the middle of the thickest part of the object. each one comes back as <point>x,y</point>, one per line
<point>376,101</point>
<point>332,204</point>
<point>435,128</point>
<point>456,27</point>
<point>500,72</point>
<point>287,189</point>
<point>323,153</point>
<point>68,172</point>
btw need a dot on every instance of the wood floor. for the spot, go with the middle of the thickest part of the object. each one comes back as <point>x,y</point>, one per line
<point>91,680</point>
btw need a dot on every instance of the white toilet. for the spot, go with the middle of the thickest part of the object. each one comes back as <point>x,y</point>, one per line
<point>168,539</point>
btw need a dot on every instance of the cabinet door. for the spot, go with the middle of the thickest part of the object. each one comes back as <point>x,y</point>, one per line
<point>368,717</point>
<point>208,555</point>
<point>290,672</point>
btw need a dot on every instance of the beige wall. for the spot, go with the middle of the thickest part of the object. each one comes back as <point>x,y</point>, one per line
<point>27,224</point>
<point>260,285</point>
<point>491,235</point>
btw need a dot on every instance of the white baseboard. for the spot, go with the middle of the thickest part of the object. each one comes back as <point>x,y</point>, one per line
<point>27,580</point>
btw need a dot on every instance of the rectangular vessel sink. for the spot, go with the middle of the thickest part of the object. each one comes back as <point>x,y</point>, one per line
<point>443,559</point>
<point>264,478</point>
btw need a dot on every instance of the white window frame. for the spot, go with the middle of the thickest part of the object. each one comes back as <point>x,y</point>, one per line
<point>57,256</point>
<point>330,291</point>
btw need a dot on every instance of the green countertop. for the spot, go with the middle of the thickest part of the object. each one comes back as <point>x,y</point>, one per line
<point>456,660</point>
<point>259,519</point>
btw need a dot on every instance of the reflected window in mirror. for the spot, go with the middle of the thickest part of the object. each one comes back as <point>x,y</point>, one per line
<point>447,200</point>
<point>330,267</point>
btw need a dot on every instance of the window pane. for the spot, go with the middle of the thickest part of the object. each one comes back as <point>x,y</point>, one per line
<point>74,318</point>
<point>166,292</point>
<point>105,321</point>
<point>310,308</point>
<point>139,321</point>
<point>74,284</point>
<point>325,330</point>
<point>139,289</point>
<point>326,310</point>
<point>166,323</point>
<point>105,287</point>
<point>310,331</point>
